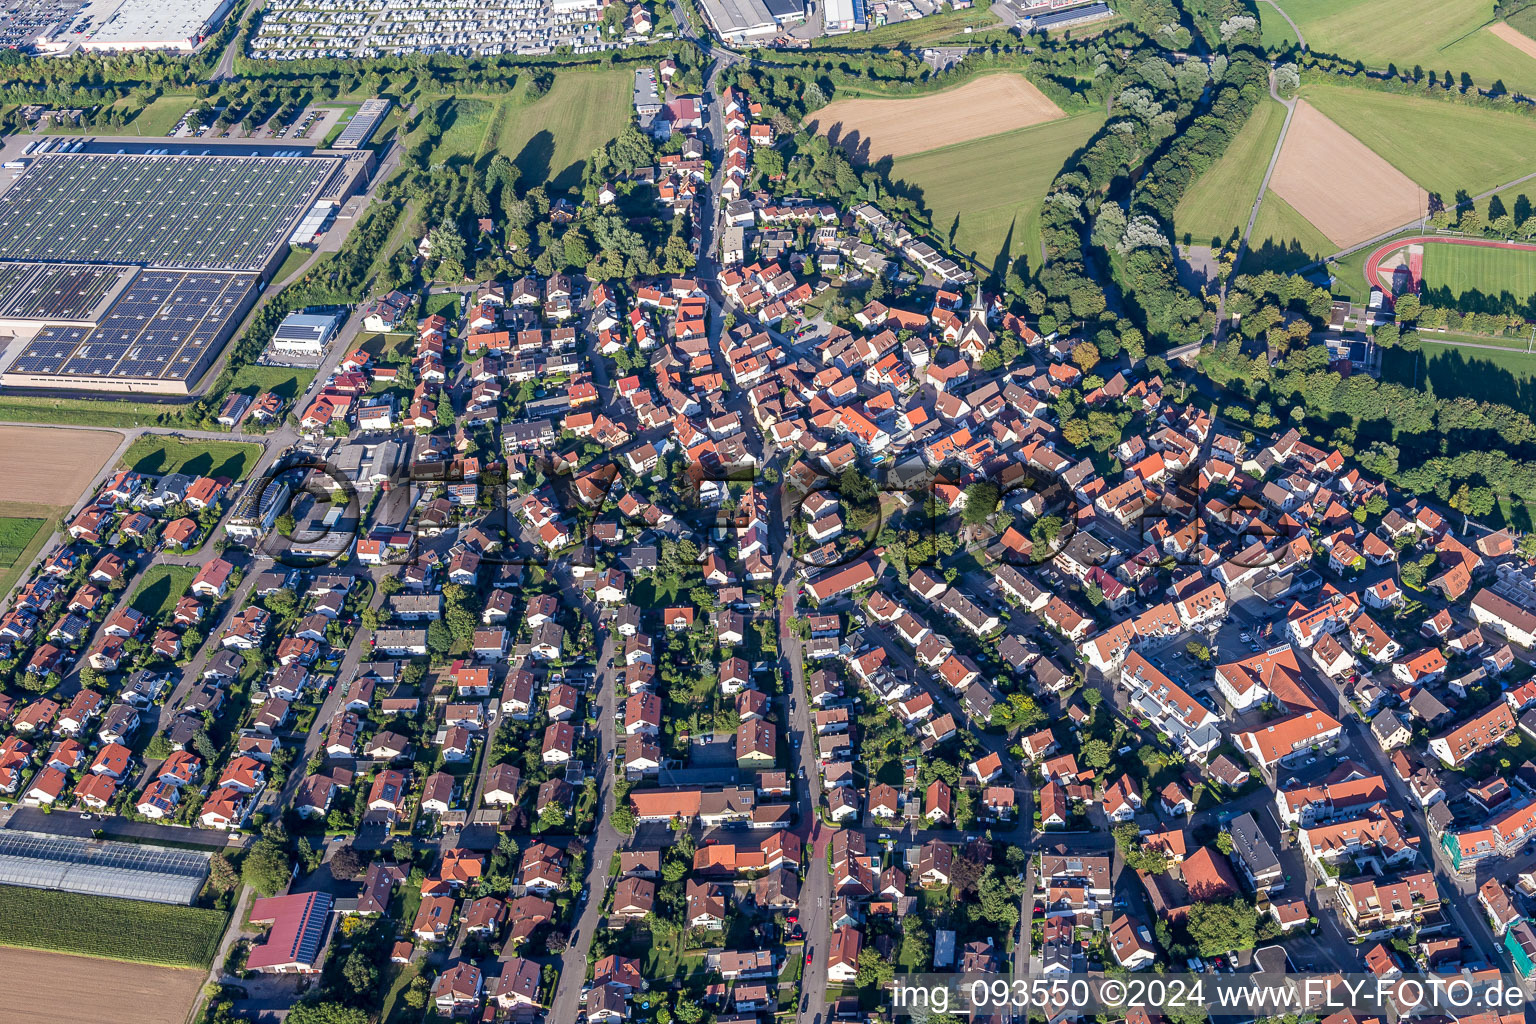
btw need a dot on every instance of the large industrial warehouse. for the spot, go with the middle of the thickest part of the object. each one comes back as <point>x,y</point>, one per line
<point>743,21</point>
<point>130,271</point>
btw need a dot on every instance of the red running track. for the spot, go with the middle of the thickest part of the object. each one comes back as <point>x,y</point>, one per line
<point>1373,264</point>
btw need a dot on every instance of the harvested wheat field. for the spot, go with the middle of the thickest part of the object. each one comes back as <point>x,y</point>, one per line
<point>1519,40</point>
<point>53,988</point>
<point>990,105</point>
<point>1339,184</point>
<point>52,465</point>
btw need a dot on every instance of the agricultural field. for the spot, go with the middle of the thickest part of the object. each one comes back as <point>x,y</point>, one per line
<point>990,105</point>
<point>1516,200</point>
<point>16,534</point>
<point>158,455</point>
<point>1514,37</point>
<point>1506,277</point>
<point>1454,35</point>
<point>985,195</point>
<point>17,554</point>
<point>1523,22</point>
<point>160,589</point>
<point>551,138</point>
<point>109,928</point>
<point>51,466</point>
<point>1474,149</point>
<point>1218,204</point>
<point>1282,239</point>
<point>36,984</point>
<point>1340,186</point>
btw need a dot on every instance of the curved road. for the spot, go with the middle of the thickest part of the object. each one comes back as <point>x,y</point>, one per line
<point>1301,40</point>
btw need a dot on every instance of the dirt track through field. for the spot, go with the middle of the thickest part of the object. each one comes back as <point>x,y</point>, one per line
<point>54,988</point>
<point>1519,40</point>
<point>990,105</point>
<point>52,465</point>
<point>1340,184</point>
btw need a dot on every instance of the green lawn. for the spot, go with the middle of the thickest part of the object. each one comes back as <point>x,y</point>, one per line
<point>1277,34</point>
<point>1436,34</point>
<point>1349,275</point>
<point>1218,204</point>
<point>16,535</point>
<point>551,138</point>
<point>159,455</point>
<point>1444,147</point>
<point>293,261</point>
<point>985,194</point>
<point>446,303</point>
<point>1481,278</point>
<point>160,116</point>
<point>160,589</point>
<point>287,382</point>
<point>154,120</point>
<point>388,347</point>
<point>1283,239</point>
<point>111,929</point>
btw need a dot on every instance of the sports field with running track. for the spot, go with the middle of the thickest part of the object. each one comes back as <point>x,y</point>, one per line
<point>1466,268</point>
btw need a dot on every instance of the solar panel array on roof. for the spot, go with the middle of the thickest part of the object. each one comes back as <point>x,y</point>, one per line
<point>362,126</point>
<point>314,927</point>
<point>304,327</point>
<point>184,212</point>
<point>1071,15</point>
<point>160,327</point>
<point>55,291</point>
<point>154,873</point>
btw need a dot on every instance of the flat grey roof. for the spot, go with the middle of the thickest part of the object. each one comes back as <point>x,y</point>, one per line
<point>157,21</point>
<point>733,17</point>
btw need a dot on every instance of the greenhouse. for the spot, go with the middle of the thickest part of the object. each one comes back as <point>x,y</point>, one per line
<point>102,868</point>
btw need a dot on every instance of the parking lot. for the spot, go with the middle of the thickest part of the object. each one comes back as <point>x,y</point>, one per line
<point>307,29</point>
